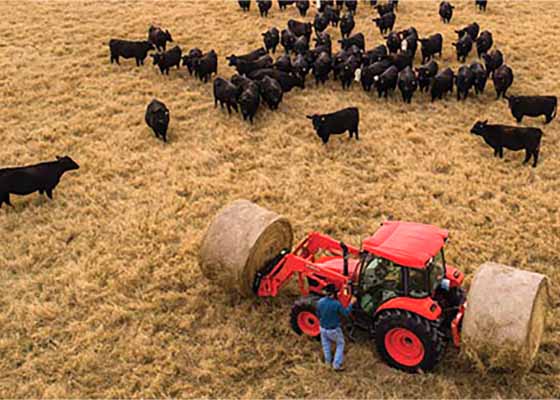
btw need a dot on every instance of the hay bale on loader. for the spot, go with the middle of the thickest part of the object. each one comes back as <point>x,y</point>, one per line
<point>240,240</point>
<point>505,317</point>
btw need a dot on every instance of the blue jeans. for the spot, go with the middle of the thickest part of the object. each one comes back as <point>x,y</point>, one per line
<point>336,336</point>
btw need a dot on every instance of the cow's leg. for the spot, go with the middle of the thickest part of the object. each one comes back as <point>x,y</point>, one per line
<point>49,193</point>
<point>137,62</point>
<point>535,158</point>
<point>228,108</point>
<point>519,118</point>
<point>357,133</point>
<point>496,152</point>
<point>527,156</point>
<point>548,118</point>
<point>6,199</point>
<point>41,191</point>
<point>501,151</point>
<point>117,60</point>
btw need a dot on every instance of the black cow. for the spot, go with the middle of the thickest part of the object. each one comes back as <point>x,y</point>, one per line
<point>206,65</point>
<point>271,39</point>
<point>245,67</point>
<point>354,40</point>
<point>400,60</point>
<point>351,5</point>
<point>442,84</point>
<point>284,63</point>
<point>286,80</point>
<point>446,11</point>
<point>480,4</point>
<point>301,45</point>
<point>302,6</point>
<point>226,93</point>
<point>502,78</point>
<point>285,3</point>
<point>387,81</point>
<point>165,61</point>
<point>301,66</point>
<point>431,46</point>
<point>287,39</point>
<point>471,30</point>
<point>332,14</point>
<point>42,178</point>
<point>320,22</point>
<point>393,42</point>
<point>347,71</point>
<point>323,42</point>
<point>409,41</point>
<point>385,22</point>
<point>159,37</point>
<point>394,4</point>
<point>242,83</point>
<point>300,28</point>
<point>464,81</point>
<point>244,4</point>
<point>190,58</point>
<point>425,75</point>
<point>383,9</point>
<point>249,102</point>
<point>336,123</point>
<point>533,106</point>
<point>463,47</point>
<point>510,137</point>
<point>374,55</point>
<point>129,49</point>
<point>347,24</point>
<point>271,92</point>
<point>251,56</point>
<point>324,4</point>
<point>264,7</point>
<point>407,84</point>
<point>484,43</point>
<point>370,74</point>
<point>480,77</point>
<point>322,68</point>
<point>493,60</point>
<point>157,118</point>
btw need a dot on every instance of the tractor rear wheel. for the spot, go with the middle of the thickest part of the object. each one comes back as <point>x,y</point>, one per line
<point>304,318</point>
<point>407,341</point>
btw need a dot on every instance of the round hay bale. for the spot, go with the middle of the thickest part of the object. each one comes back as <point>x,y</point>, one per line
<point>242,239</point>
<point>505,316</point>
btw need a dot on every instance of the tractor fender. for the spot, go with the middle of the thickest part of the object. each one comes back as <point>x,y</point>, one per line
<point>424,307</point>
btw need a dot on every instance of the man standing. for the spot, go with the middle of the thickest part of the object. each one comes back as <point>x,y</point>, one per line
<point>329,309</point>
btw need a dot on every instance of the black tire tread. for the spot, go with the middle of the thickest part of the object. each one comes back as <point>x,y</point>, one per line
<point>305,303</point>
<point>427,331</point>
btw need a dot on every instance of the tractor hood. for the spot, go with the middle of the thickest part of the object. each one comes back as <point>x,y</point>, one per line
<point>406,243</point>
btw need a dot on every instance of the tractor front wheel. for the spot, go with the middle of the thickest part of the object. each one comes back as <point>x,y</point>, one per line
<point>304,318</point>
<point>407,341</point>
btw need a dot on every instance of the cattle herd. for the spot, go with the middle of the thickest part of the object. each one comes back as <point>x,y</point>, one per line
<point>262,80</point>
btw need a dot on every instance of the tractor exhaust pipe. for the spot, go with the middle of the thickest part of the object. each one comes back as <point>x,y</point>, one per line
<point>344,258</point>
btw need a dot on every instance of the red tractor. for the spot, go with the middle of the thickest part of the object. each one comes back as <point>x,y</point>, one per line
<point>409,300</point>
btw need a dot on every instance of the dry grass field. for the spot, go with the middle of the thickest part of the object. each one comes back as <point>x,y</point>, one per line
<point>100,292</point>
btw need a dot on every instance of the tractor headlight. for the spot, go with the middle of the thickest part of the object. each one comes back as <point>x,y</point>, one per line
<point>445,284</point>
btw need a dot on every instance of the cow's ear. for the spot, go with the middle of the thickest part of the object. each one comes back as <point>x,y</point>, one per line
<point>322,119</point>
<point>484,122</point>
<point>309,116</point>
<point>58,157</point>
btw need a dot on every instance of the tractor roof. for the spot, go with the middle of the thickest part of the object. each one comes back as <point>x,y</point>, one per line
<point>406,243</point>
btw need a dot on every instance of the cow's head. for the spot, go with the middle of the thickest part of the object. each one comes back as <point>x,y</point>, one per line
<point>67,163</point>
<point>377,21</point>
<point>149,45</point>
<point>232,60</point>
<point>317,120</point>
<point>479,128</point>
<point>156,57</point>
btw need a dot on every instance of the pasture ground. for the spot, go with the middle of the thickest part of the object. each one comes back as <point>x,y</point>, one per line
<point>100,293</point>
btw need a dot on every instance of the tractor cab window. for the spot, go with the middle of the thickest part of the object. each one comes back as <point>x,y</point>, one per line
<point>418,283</point>
<point>436,270</point>
<point>381,280</point>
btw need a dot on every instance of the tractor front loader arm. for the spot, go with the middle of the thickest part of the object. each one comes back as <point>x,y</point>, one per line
<point>301,262</point>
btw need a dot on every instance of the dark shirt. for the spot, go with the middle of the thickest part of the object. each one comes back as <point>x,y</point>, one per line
<point>329,310</point>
